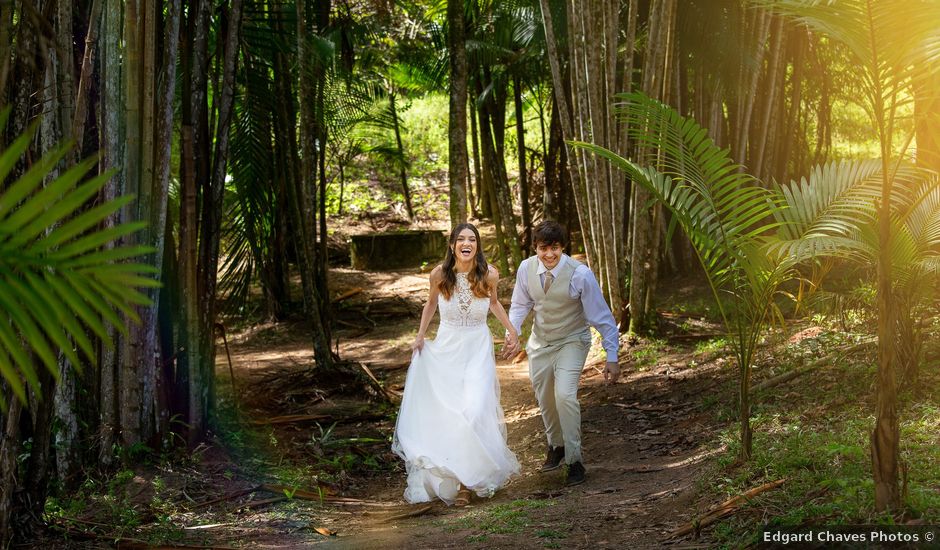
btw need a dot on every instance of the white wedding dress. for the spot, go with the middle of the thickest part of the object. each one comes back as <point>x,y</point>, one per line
<point>450,427</point>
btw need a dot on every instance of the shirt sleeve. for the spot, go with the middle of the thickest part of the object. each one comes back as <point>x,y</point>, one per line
<point>521,300</point>
<point>596,311</point>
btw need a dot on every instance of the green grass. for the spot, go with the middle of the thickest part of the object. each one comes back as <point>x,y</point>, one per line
<point>713,345</point>
<point>648,353</point>
<point>502,519</point>
<point>816,434</point>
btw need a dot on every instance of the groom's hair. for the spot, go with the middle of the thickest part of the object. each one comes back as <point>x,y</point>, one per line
<point>549,232</point>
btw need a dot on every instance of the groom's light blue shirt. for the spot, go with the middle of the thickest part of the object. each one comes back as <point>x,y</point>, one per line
<point>583,287</point>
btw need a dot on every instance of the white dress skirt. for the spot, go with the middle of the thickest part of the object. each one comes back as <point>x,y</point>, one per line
<point>450,427</point>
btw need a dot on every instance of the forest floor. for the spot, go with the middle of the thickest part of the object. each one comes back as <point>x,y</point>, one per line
<point>302,458</point>
<point>645,438</point>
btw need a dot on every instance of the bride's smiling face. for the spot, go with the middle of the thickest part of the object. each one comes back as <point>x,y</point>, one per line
<point>465,247</point>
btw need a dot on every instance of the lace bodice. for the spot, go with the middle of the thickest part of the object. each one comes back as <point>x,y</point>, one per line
<point>463,309</point>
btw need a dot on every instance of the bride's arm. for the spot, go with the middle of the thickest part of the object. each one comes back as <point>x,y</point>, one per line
<point>429,308</point>
<point>498,310</point>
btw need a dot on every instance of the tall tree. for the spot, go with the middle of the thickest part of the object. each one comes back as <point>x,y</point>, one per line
<point>305,195</point>
<point>457,115</point>
<point>212,204</point>
<point>647,216</point>
<point>585,100</point>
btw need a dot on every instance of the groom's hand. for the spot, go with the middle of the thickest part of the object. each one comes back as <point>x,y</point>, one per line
<point>511,349</point>
<point>611,372</point>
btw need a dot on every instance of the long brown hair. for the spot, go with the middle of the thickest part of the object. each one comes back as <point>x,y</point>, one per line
<point>478,272</point>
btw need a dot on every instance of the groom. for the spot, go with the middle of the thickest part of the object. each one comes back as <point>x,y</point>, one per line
<point>567,300</point>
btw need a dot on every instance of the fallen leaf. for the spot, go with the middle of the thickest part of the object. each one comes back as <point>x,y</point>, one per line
<point>325,532</point>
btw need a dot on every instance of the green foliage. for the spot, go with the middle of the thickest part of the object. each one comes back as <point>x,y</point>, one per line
<point>58,273</point>
<point>750,239</point>
<point>425,136</point>
<point>648,354</point>
<point>818,439</point>
<point>722,209</point>
<point>511,517</point>
<point>710,346</point>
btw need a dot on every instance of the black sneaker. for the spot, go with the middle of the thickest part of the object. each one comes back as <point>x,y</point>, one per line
<point>575,474</point>
<point>553,459</point>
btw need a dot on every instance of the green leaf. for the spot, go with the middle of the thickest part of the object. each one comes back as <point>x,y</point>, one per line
<point>77,225</point>
<point>61,208</point>
<point>96,239</point>
<point>42,200</point>
<point>81,286</point>
<point>22,316</point>
<point>107,255</point>
<point>75,303</point>
<point>41,311</point>
<point>63,315</point>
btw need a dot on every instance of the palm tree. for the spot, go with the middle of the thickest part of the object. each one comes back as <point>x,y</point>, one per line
<point>724,212</point>
<point>890,41</point>
<point>832,213</point>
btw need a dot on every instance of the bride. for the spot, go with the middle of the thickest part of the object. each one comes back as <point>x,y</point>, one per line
<point>450,430</point>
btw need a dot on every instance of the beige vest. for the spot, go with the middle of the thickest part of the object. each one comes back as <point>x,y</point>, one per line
<point>558,318</point>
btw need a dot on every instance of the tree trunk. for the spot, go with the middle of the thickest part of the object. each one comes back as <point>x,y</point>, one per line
<point>647,218</point>
<point>304,196</point>
<point>147,205</point>
<point>788,168</point>
<point>757,30</point>
<point>129,363</point>
<point>771,90</point>
<point>58,398</point>
<point>6,53</point>
<point>9,450</point>
<point>84,81</point>
<point>492,133</point>
<point>524,197</point>
<point>66,437</point>
<point>885,438</point>
<point>39,465</point>
<point>489,183</point>
<point>112,144</point>
<point>592,68</point>
<point>402,175</point>
<point>212,203</point>
<point>150,328</point>
<point>457,117</point>
<point>562,105</point>
<point>482,199</point>
<point>553,192</point>
<point>194,149</point>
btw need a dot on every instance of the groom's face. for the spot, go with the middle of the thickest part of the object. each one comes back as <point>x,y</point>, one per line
<point>549,254</point>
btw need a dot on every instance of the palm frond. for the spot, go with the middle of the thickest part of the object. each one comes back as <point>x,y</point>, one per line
<point>822,209</point>
<point>57,279</point>
<point>718,205</point>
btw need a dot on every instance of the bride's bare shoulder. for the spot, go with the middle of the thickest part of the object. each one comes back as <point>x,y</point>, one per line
<point>437,273</point>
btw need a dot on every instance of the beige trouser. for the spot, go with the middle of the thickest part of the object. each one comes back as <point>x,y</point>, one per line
<point>555,371</point>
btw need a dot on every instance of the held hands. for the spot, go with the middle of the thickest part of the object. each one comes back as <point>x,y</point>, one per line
<point>611,372</point>
<point>511,347</point>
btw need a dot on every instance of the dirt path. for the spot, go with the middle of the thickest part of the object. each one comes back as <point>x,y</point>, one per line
<point>645,441</point>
